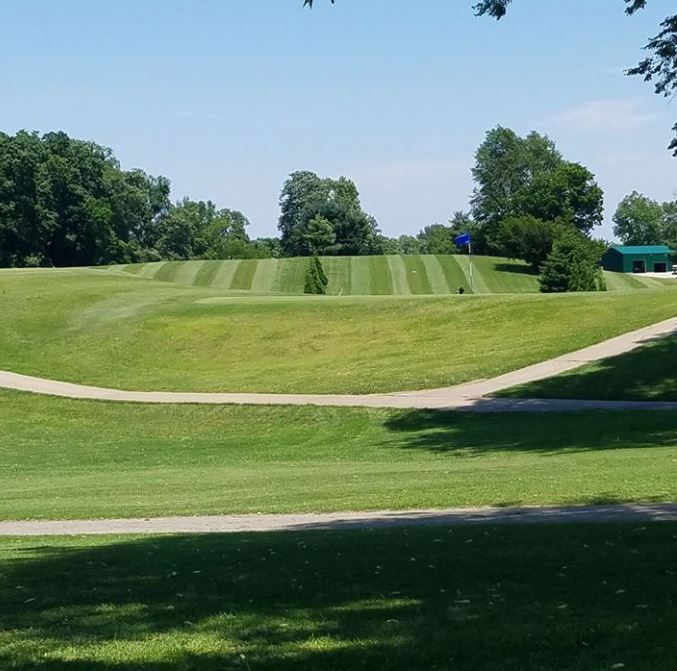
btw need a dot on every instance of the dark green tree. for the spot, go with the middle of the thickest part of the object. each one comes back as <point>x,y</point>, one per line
<point>530,239</point>
<point>316,281</point>
<point>573,265</point>
<point>306,196</point>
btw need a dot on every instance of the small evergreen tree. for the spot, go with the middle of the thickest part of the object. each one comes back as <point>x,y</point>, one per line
<point>316,279</point>
<point>573,265</point>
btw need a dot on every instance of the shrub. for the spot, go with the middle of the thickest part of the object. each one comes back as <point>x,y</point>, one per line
<point>316,279</point>
<point>573,265</point>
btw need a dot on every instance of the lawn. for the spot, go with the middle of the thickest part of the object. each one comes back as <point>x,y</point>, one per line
<point>368,275</point>
<point>110,328</point>
<point>85,459</point>
<point>545,598</point>
<point>645,374</point>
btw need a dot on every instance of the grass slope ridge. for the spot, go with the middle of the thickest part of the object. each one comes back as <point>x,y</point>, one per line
<point>366,275</point>
<point>110,329</point>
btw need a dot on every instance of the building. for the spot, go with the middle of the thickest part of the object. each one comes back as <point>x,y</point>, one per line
<point>638,259</point>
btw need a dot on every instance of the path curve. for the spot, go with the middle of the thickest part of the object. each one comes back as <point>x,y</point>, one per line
<point>469,397</point>
<point>625,512</point>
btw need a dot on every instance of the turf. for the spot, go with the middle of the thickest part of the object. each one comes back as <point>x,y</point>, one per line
<point>72,459</point>
<point>376,275</point>
<point>547,598</point>
<point>645,374</point>
<point>109,328</point>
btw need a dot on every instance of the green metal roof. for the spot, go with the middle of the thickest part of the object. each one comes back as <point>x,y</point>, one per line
<point>643,249</point>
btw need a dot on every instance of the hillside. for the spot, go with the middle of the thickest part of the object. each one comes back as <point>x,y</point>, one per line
<point>110,328</point>
<point>366,275</point>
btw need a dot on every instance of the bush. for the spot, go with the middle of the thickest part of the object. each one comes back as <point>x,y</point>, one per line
<point>316,280</point>
<point>573,265</point>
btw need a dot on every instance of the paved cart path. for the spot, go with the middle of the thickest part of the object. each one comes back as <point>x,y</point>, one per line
<point>637,513</point>
<point>470,397</point>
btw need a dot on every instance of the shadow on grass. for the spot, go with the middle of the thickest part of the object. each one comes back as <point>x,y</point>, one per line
<point>461,434</point>
<point>648,373</point>
<point>519,268</point>
<point>488,598</point>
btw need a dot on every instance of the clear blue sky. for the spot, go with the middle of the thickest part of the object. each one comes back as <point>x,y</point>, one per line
<point>226,97</point>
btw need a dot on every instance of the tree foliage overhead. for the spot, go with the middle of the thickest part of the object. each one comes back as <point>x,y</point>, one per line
<point>660,67</point>
<point>324,216</point>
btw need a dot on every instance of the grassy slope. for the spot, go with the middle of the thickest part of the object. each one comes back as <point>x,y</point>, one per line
<point>646,374</point>
<point>377,275</point>
<point>68,459</point>
<point>112,329</point>
<point>569,598</point>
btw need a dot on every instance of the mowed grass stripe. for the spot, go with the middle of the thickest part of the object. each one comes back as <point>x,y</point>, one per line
<point>417,278</point>
<point>438,282</point>
<point>338,272</point>
<point>398,272</point>
<point>188,271</point>
<point>225,272</point>
<point>244,275</point>
<point>453,274</point>
<point>381,280</point>
<point>205,276</point>
<point>289,276</point>
<point>264,275</point>
<point>360,277</point>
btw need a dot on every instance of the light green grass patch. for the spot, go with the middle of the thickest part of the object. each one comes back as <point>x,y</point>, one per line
<point>65,459</point>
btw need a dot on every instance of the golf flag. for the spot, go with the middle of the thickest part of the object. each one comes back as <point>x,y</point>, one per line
<point>464,239</point>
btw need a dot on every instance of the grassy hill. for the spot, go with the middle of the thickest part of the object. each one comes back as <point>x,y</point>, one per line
<point>110,328</point>
<point>366,275</point>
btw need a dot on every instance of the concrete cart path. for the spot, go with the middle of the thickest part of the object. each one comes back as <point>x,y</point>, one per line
<point>636,513</point>
<point>469,397</point>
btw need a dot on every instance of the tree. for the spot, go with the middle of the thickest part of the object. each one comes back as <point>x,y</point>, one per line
<point>305,196</point>
<point>659,68</point>
<point>573,265</point>
<point>67,202</point>
<point>530,239</point>
<point>437,239</point>
<point>317,235</point>
<point>316,281</point>
<point>527,177</point>
<point>640,221</point>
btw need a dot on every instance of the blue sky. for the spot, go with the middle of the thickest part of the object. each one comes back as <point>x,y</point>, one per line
<point>226,97</point>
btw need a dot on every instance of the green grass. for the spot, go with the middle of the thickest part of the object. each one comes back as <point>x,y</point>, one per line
<point>71,459</point>
<point>645,374</point>
<point>546,598</point>
<point>376,275</point>
<point>109,328</point>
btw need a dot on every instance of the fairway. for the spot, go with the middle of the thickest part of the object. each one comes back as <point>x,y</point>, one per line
<point>112,329</point>
<point>562,598</point>
<point>65,459</point>
<point>424,274</point>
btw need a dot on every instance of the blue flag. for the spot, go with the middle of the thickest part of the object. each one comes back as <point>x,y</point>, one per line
<point>464,239</point>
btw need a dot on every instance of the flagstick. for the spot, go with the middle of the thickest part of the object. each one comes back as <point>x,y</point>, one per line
<point>470,255</point>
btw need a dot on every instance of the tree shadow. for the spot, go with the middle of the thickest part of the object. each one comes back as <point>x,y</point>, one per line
<point>463,434</point>
<point>648,373</point>
<point>518,268</point>
<point>484,599</point>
